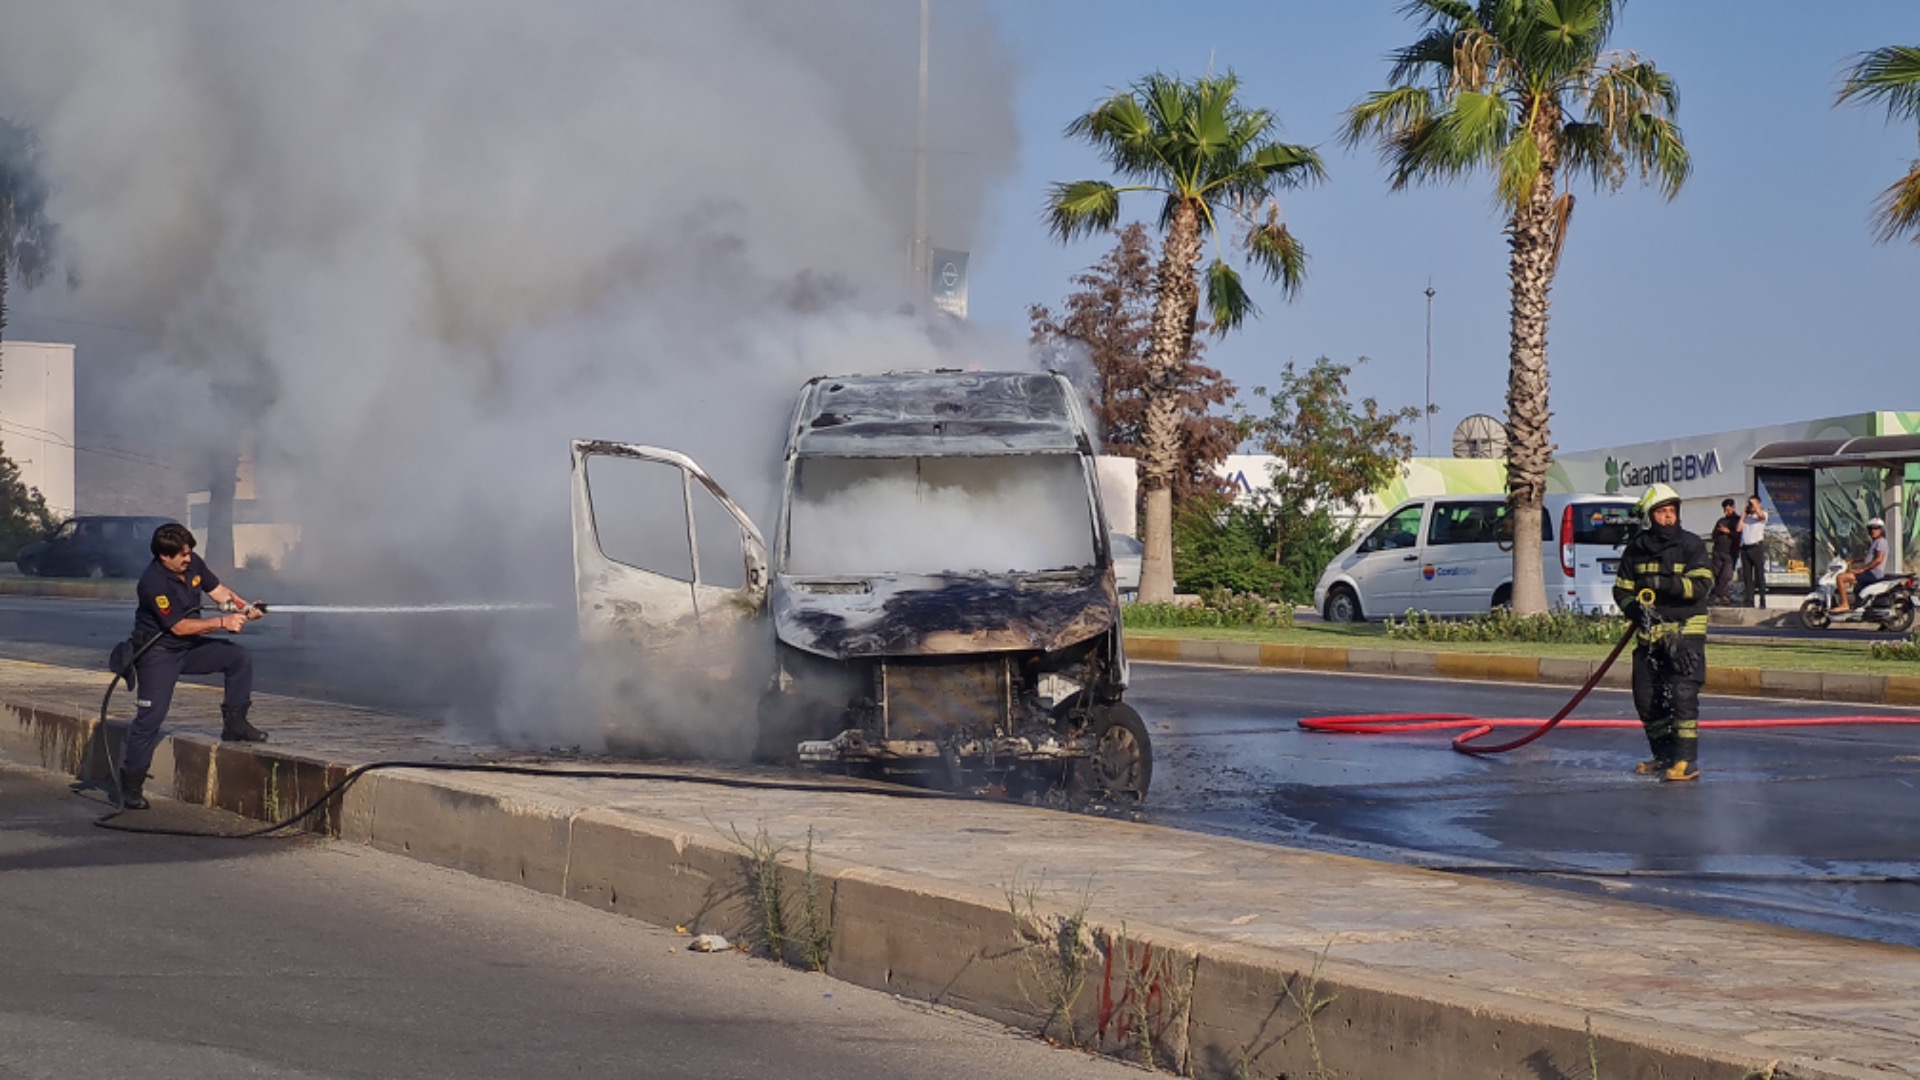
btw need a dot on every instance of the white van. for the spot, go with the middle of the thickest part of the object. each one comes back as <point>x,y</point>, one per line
<point>1445,555</point>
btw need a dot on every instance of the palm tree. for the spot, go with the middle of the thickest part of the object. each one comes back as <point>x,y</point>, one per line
<point>1527,90</point>
<point>26,236</point>
<point>1214,162</point>
<point>1891,77</point>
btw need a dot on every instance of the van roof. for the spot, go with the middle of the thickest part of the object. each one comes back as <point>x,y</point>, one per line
<point>935,413</point>
<point>1553,498</point>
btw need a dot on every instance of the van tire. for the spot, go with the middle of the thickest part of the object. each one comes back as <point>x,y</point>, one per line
<point>1502,598</point>
<point>1120,768</point>
<point>1343,606</point>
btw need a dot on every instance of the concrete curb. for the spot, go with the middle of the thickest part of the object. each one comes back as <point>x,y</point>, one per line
<point>1211,1008</point>
<point>1855,687</point>
<point>69,588</point>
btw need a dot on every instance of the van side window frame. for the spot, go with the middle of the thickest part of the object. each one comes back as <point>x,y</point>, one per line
<point>1376,540</point>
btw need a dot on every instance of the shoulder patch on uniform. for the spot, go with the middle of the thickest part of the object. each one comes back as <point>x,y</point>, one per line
<point>162,603</point>
<point>196,581</point>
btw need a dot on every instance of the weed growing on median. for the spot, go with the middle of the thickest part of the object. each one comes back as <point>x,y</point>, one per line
<point>1304,993</point>
<point>767,906</point>
<point>773,925</point>
<point>270,801</point>
<point>1057,951</point>
<point>1559,627</point>
<point>816,931</point>
<point>1155,1001</point>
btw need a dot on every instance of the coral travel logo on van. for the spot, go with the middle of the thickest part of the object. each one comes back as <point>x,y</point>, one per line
<point>1431,571</point>
<point>1674,470</point>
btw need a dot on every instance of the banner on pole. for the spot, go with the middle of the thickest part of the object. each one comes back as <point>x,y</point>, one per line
<point>949,282</point>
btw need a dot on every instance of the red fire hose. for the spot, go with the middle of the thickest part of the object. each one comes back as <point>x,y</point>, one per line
<point>1478,727</point>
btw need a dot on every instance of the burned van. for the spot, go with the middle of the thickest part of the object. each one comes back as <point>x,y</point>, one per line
<point>938,601</point>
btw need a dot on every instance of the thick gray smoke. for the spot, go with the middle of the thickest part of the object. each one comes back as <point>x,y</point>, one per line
<point>414,246</point>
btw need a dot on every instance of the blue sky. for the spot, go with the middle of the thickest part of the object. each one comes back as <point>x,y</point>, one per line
<point>1757,296</point>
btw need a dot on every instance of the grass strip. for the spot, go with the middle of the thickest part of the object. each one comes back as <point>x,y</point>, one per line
<point>1852,657</point>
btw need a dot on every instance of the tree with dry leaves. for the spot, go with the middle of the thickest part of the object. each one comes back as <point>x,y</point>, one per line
<point>1102,336</point>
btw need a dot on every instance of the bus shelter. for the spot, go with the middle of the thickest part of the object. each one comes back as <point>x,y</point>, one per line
<point>1820,494</point>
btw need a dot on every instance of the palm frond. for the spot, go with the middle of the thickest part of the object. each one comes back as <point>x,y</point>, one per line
<point>1438,12</point>
<point>1227,298</point>
<point>1431,55</point>
<point>1122,133</point>
<point>1288,165</point>
<point>1630,104</point>
<point>1080,208</point>
<point>1519,169</point>
<point>1472,132</point>
<point>1277,252</point>
<point>1386,111</point>
<point>1888,76</point>
<point>1897,212</point>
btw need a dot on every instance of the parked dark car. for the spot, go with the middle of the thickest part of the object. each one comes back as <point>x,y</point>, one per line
<point>92,547</point>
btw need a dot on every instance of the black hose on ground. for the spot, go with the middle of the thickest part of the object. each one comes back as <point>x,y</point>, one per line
<point>747,783</point>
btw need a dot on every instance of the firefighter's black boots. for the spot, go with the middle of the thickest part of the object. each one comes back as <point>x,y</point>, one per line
<point>234,726</point>
<point>131,798</point>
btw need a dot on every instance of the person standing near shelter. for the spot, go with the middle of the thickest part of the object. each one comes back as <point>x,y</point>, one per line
<point>1663,584</point>
<point>1753,551</point>
<point>168,590</point>
<point>1726,552</point>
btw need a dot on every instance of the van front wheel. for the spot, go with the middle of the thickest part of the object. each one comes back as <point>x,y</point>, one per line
<point>1342,605</point>
<point>1502,598</point>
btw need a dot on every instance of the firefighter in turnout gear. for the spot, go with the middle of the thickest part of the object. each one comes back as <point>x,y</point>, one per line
<point>1664,583</point>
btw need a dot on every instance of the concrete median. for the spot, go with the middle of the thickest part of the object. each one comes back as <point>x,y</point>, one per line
<point>1219,957</point>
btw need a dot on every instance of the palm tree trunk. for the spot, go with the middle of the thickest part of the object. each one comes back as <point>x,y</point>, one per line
<point>1176,301</point>
<point>1531,239</point>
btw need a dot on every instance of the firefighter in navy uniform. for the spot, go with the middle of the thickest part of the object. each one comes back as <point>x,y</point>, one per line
<point>1664,583</point>
<point>168,590</point>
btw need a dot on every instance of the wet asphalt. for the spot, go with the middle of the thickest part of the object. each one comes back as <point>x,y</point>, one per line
<point>1800,803</point>
<point>1231,760</point>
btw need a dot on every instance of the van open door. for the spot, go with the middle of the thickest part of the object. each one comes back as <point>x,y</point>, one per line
<point>670,584</point>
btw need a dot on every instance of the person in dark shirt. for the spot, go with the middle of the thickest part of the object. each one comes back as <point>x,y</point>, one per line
<point>169,596</point>
<point>1726,552</point>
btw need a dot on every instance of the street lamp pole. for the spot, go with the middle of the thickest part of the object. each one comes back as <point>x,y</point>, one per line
<point>922,256</point>
<point>1429,367</point>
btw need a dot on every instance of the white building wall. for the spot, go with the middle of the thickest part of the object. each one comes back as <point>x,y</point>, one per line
<point>36,417</point>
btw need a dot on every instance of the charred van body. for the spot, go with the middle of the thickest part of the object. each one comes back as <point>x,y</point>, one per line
<point>940,588</point>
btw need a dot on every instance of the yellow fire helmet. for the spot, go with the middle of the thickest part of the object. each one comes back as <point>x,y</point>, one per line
<point>1657,496</point>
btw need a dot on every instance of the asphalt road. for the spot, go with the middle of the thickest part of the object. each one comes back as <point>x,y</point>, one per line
<point>164,957</point>
<point>1230,759</point>
<point>1799,803</point>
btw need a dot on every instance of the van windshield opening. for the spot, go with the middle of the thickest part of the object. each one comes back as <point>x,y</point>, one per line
<point>929,515</point>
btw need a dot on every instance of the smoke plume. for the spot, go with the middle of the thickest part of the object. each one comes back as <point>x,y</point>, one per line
<point>412,247</point>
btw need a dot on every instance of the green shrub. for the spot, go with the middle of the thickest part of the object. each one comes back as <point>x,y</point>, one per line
<point>1898,650</point>
<point>1220,608</point>
<point>1258,548</point>
<point>1561,627</point>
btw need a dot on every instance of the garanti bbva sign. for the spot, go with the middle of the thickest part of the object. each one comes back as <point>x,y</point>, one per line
<point>1629,475</point>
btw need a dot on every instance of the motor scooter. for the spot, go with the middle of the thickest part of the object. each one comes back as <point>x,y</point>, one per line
<point>1887,603</point>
